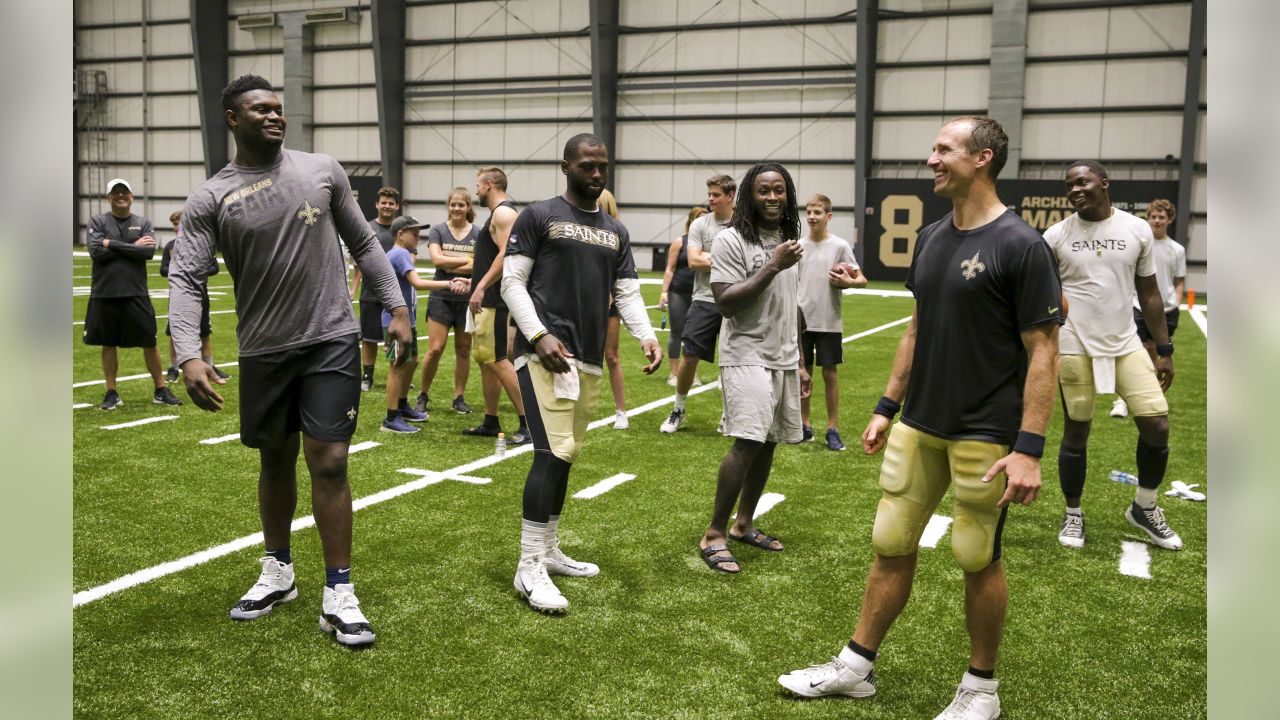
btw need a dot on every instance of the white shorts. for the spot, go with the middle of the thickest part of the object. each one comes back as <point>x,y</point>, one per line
<point>761,404</point>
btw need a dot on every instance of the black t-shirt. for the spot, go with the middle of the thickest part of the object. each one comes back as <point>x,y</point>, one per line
<point>577,257</point>
<point>486,253</point>
<point>976,290</point>
<point>682,278</point>
<point>120,268</point>
<point>387,240</point>
<point>442,235</point>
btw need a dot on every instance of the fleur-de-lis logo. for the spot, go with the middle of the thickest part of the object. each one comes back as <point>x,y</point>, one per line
<point>309,214</point>
<point>971,267</point>
<point>351,413</point>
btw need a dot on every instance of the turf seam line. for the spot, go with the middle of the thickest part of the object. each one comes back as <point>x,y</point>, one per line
<point>171,567</point>
<point>136,423</point>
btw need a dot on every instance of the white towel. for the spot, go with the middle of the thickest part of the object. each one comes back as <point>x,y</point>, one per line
<point>1185,491</point>
<point>471,322</point>
<point>566,383</point>
<point>1104,375</point>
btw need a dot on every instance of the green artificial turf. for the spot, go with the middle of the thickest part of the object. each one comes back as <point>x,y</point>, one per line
<point>656,634</point>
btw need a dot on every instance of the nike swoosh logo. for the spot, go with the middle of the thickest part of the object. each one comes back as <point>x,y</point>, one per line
<point>1053,310</point>
<point>814,685</point>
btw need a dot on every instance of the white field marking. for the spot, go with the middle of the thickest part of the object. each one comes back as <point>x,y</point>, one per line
<point>163,317</point>
<point>136,423</point>
<point>427,478</point>
<point>85,254</point>
<point>875,330</point>
<point>767,502</point>
<point>224,438</point>
<point>934,531</point>
<point>77,406</point>
<point>877,293</point>
<point>366,445</point>
<point>1135,559</point>
<point>1202,320</point>
<point>603,486</point>
<point>87,383</point>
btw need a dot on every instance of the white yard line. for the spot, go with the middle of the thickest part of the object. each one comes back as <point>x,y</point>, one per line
<point>87,383</point>
<point>1202,320</point>
<point>136,423</point>
<point>603,486</point>
<point>878,293</point>
<point>224,438</point>
<point>935,531</point>
<point>162,317</point>
<point>77,406</point>
<point>361,446</point>
<point>1135,559</point>
<point>427,478</point>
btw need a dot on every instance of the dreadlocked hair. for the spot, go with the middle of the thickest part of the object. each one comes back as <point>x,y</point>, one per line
<point>744,209</point>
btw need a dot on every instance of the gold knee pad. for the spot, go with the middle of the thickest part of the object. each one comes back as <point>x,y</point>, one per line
<point>1137,383</point>
<point>913,478</point>
<point>975,531</point>
<point>1075,378</point>
<point>564,421</point>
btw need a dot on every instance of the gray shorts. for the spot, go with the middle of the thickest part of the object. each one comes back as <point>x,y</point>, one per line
<point>761,404</point>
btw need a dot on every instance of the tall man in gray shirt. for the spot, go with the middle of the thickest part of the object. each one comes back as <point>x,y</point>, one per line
<point>277,215</point>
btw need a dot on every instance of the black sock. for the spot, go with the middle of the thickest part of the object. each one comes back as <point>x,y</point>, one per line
<point>337,576</point>
<point>545,487</point>
<point>1072,466</point>
<point>491,423</point>
<point>857,649</point>
<point>1152,463</point>
<point>368,372</point>
<point>392,415</point>
<point>281,555</point>
<point>984,674</point>
<point>404,403</point>
<point>522,425</point>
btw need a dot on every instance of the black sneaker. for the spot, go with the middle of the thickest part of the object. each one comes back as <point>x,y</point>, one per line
<point>521,437</point>
<point>171,375</point>
<point>482,431</point>
<point>1152,522</point>
<point>164,397</point>
<point>833,440</point>
<point>218,371</point>
<point>421,403</point>
<point>806,433</point>
<point>111,401</point>
<point>460,406</point>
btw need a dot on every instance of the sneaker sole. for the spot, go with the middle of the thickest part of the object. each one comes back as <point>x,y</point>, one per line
<point>237,614</point>
<point>399,432</point>
<point>154,401</point>
<point>1155,539</point>
<point>343,638</point>
<point>111,407</point>
<point>1070,542</point>
<point>547,609</point>
<point>803,695</point>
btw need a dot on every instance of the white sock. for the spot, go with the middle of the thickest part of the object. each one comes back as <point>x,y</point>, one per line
<point>680,401</point>
<point>1075,511</point>
<point>859,664</point>
<point>553,522</point>
<point>1145,497</point>
<point>533,539</point>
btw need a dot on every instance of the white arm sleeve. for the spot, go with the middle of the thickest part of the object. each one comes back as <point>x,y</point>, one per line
<point>515,293</point>
<point>626,295</point>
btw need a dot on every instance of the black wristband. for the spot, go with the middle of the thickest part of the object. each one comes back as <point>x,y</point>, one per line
<point>1029,443</point>
<point>1165,350</point>
<point>887,407</point>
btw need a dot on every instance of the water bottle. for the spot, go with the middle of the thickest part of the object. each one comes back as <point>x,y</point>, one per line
<point>500,447</point>
<point>664,321</point>
<point>1121,476</point>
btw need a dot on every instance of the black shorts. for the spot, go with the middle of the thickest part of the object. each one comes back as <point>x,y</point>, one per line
<point>120,322</point>
<point>314,389</point>
<point>830,350</point>
<point>613,311</point>
<point>701,330</point>
<point>371,321</point>
<point>413,342</point>
<point>1170,321</point>
<point>450,313</point>
<point>206,327</point>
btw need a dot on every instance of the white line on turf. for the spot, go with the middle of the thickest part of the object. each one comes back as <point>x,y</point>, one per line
<point>603,486</point>
<point>1135,559</point>
<point>1202,321</point>
<point>366,445</point>
<point>428,478</point>
<point>162,317</point>
<point>767,502</point>
<point>136,423</point>
<point>934,531</point>
<point>77,406</point>
<point>878,293</point>
<point>224,438</point>
<point>87,383</point>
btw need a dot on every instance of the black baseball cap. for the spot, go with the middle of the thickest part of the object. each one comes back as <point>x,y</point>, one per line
<point>404,222</point>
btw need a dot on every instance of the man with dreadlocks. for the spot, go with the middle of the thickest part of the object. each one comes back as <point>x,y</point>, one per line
<point>755,284</point>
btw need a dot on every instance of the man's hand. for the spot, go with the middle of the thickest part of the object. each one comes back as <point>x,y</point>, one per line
<point>200,378</point>
<point>398,330</point>
<point>1024,478</point>
<point>652,352</point>
<point>477,297</point>
<point>873,438</point>
<point>1164,372</point>
<point>553,354</point>
<point>786,254</point>
<point>806,384</point>
<point>146,241</point>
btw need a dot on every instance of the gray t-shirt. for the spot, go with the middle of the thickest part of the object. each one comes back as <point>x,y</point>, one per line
<point>701,234</point>
<point>763,333</point>
<point>387,241</point>
<point>278,229</point>
<point>819,300</point>
<point>1171,263</point>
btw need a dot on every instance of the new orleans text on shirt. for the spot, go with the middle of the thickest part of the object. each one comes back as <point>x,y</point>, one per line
<point>583,233</point>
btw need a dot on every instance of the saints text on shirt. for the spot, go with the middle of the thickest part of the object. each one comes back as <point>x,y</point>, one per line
<point>557,229</point>
<point>1098,245</point>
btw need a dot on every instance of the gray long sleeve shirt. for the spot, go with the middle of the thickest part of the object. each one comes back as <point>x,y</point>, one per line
<point>120,266</point>
<point>279,229</point>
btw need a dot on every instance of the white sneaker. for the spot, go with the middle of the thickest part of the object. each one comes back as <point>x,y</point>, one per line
<point>557,563</point>
<point>342,618</point>
<point>535,586</point>
<point>1072,532</point>
<point>671,381</point>
<point>975,699</point>
<point>275,585</point>
<point>1119,409</point>
<point>673,421</point>
<point>620,421</point>
<point>833,678</point>
<point>1152,522</point>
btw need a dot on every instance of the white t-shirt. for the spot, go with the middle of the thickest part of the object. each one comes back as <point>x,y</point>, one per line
<point>819,300</point>
<point>702,234</point>
<point>1171,262</point>
<point>1098,262</point>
